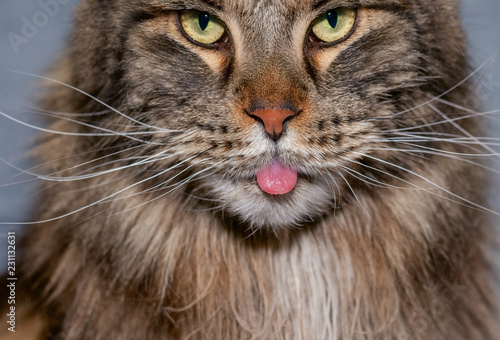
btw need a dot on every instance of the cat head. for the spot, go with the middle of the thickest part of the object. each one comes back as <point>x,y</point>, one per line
<point>267,107</point>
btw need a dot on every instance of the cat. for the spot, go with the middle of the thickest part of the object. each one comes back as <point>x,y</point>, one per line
<point>255,169</point>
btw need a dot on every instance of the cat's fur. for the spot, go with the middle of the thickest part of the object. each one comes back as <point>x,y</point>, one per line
<point>375,242</point>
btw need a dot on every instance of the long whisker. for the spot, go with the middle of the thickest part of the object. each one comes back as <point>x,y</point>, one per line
<point>95,160</point>
<point>149,159</point>
<point>65,133</point>
<point>162,186</point>
<point>431,137</point>
<point>457,106</point>
<point>100,200</point>
<point>441,122</point>
<point>106,133</point>
<point>329,186</point>
<point>414,185</point>
<point>59,114</point>
<point>461,129</point>
<point>95,99</point>
<point>355,196</point>
<point>438,151</point>
<point>176,187</point>
<point>113,132</point>
<point>463,81</point>
<point>442,136</point>
<point>472,204</point>
<point>368,180</point>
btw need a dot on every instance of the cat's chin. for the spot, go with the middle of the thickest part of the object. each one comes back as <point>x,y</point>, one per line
<point>244,199</point>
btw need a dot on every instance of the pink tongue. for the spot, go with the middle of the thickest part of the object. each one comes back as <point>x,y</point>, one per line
<point>276,179</point>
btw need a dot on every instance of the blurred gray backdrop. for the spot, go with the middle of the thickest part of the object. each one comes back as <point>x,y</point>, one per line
<point>33,32</point>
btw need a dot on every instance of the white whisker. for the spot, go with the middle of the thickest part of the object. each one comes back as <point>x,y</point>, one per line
<point>463,81</point>
<point>98,201</point>
<point>461,129</point>
<point>371,181</point>
<point>355,196</point>
<point>441,122</point>
<point>149,159</point>
<point>436,153</point>
<point>472,204</point>
<point>411,143</point>
<point>112,132</point>
<point>95,99</point>
<point>176,187</point>
<point>161,186</point>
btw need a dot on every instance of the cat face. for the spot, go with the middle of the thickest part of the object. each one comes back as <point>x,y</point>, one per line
<point>238,89</point>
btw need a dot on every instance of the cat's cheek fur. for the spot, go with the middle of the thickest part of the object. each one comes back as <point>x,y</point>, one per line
<point>367,20</point>
<point>168,26</point>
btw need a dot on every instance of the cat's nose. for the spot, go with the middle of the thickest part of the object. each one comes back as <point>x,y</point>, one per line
<point>273,120</point>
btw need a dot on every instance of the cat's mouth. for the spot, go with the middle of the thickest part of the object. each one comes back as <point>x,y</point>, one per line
<point>276,179</point>
<point>277,191</point>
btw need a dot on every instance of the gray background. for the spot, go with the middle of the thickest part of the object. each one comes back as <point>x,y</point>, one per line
<point>16,93</point>
<point>481,20</point>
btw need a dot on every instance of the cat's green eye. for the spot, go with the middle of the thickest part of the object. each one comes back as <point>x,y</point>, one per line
<point>334,25</point>
<point>202,27</point>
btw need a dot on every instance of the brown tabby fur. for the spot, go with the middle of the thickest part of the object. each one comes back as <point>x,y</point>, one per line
<point>388,256</point>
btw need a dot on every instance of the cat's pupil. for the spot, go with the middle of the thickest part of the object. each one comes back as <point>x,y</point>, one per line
<point>332,18</point>
<point>203,20</point>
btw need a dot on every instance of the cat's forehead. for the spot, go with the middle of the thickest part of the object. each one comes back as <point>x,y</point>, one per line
<point>249,7</point>
<point>252,8</point>
<point>256,5</point>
